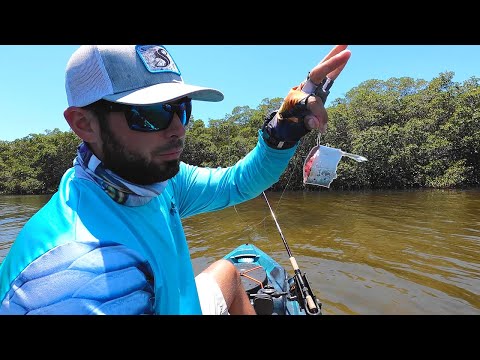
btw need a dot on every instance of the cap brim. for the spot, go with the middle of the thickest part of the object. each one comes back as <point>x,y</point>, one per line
<point>161,93</point>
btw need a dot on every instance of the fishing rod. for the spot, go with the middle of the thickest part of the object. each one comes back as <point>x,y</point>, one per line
<point>307,298</point>
<point>305,295</point>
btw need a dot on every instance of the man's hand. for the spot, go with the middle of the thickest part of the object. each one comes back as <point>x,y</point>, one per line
<point>303,108</point>
<point>329,68</point>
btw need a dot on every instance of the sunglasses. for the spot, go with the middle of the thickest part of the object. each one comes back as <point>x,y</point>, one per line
<point>150,118</point>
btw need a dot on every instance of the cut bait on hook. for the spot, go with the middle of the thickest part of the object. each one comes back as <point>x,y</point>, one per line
<point>320,166</point>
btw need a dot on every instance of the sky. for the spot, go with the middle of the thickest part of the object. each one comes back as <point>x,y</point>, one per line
<point>32,77</point>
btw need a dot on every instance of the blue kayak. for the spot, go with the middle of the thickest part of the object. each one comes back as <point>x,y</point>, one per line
<point>271,289</point>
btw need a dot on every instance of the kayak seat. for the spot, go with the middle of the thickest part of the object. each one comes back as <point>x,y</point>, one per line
<point>254,276</point>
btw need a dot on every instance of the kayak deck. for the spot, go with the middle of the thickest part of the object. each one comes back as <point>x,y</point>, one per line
<point>267,283</point>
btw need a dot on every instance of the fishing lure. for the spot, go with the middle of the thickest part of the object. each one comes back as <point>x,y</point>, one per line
<point>320,165</point>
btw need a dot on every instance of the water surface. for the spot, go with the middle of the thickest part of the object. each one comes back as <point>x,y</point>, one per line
<point>375,252</point>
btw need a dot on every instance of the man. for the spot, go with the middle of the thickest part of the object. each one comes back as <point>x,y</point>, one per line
<point>110,241</point>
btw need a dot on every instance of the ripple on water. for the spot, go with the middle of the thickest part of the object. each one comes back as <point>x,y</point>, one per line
<point>379,252</point>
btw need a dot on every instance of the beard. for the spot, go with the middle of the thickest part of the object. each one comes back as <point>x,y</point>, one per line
<point>136,168</point>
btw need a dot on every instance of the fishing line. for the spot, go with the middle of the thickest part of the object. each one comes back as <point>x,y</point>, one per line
<point>278,202</point>
<point>277,206</point>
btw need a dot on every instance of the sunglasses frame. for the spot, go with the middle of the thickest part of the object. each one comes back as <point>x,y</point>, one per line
<point>135,115</point>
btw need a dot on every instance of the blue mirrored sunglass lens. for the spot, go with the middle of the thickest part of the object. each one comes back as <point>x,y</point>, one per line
<point>158,117</point>
<point>147,121</point>
<point>183,110</point>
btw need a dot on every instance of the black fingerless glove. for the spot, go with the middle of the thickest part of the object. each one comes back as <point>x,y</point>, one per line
<point>284,128</point>
<point>321,90</point>
<point>282,134</point>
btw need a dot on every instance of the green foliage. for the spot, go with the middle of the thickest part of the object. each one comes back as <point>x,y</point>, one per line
<point>35,163</point>
<point>414,133</point>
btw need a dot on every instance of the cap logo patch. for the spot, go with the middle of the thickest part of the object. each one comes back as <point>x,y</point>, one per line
<point>156,59</point>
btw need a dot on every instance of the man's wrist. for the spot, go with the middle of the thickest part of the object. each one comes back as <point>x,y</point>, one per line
<point>274,143</point>
<point>270,139</point>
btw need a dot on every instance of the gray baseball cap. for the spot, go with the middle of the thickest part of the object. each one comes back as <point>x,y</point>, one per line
<point>128,74</point>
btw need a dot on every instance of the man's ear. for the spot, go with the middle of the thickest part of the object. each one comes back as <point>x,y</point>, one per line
<point>83,123</point>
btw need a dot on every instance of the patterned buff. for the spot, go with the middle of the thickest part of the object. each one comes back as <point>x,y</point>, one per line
<point>89,167</point>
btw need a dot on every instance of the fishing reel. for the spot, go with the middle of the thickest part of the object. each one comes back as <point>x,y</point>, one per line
<point>300,291</point>
<point>263,300</point>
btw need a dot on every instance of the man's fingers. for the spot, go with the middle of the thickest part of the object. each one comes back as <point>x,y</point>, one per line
<point>318,114</point>
<point>334,74</point>
<point>311,122</point>
<point>337,49</point>
<point>331,66</point>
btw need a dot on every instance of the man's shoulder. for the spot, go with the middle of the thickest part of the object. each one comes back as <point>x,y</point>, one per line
<point>82,278</point>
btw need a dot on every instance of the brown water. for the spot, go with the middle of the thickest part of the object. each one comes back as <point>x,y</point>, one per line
<point>384,252</point>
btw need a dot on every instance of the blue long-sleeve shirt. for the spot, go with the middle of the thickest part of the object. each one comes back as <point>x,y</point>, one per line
<point>83,253</point>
